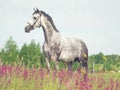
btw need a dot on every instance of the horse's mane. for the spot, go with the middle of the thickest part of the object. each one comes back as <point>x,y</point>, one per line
<point>50,19</point>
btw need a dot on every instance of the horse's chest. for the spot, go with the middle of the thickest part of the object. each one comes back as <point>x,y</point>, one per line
<point>52,49</point>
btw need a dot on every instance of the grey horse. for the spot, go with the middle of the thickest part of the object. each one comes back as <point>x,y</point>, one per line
<point>56,47</point>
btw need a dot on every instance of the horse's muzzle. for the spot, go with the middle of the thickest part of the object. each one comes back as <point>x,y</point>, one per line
<point>28,29</point>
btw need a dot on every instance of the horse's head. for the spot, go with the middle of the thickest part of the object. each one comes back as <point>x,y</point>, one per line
<point>35,21</point>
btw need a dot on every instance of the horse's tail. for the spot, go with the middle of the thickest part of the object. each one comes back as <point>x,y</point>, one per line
<point>85,60</point>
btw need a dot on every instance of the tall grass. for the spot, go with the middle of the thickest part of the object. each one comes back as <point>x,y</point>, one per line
<point>22,78</point>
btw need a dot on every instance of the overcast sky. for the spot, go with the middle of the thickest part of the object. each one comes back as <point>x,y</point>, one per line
<point>97,22</point>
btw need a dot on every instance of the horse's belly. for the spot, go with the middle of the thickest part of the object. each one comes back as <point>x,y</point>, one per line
<point>69,55</point>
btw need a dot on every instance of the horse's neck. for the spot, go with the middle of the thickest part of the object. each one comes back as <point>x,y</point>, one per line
<point>49,32</point>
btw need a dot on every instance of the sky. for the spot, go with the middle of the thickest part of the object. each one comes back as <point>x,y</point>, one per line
<point>96,22</point>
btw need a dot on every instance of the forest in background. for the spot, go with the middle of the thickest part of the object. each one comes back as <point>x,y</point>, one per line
<point>31,56</point>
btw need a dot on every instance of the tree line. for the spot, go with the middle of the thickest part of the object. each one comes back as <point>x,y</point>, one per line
<point>31,55</point>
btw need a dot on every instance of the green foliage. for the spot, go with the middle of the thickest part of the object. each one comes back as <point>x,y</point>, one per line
<point>9,54</point>
<point>30,54</point>
<point>101,62</point>
<point>76,65</point>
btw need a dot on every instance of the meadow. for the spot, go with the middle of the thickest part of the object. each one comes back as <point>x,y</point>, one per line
<point>22,78</point>
<point>25,69</point>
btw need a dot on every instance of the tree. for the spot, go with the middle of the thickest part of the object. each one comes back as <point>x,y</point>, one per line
<point>9,54</point>
<point>30,54</point>
<point>99,58</point>
<point>91,63</point>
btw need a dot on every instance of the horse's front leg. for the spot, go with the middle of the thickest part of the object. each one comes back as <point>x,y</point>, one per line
<point>47,56</point>
<point>56,65</point>
<point>47,63</point>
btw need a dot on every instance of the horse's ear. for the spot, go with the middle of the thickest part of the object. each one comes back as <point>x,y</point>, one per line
<point>37,9</point>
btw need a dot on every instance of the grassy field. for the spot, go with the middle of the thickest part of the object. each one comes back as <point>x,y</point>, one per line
<point>22,78</point>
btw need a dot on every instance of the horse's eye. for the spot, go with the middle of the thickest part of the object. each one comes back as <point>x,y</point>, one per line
<point>34,18</point>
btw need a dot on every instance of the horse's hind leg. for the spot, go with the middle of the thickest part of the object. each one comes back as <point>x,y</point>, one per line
<point>70,68</point>
<point>85,68</point>
<point>79,61</point>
